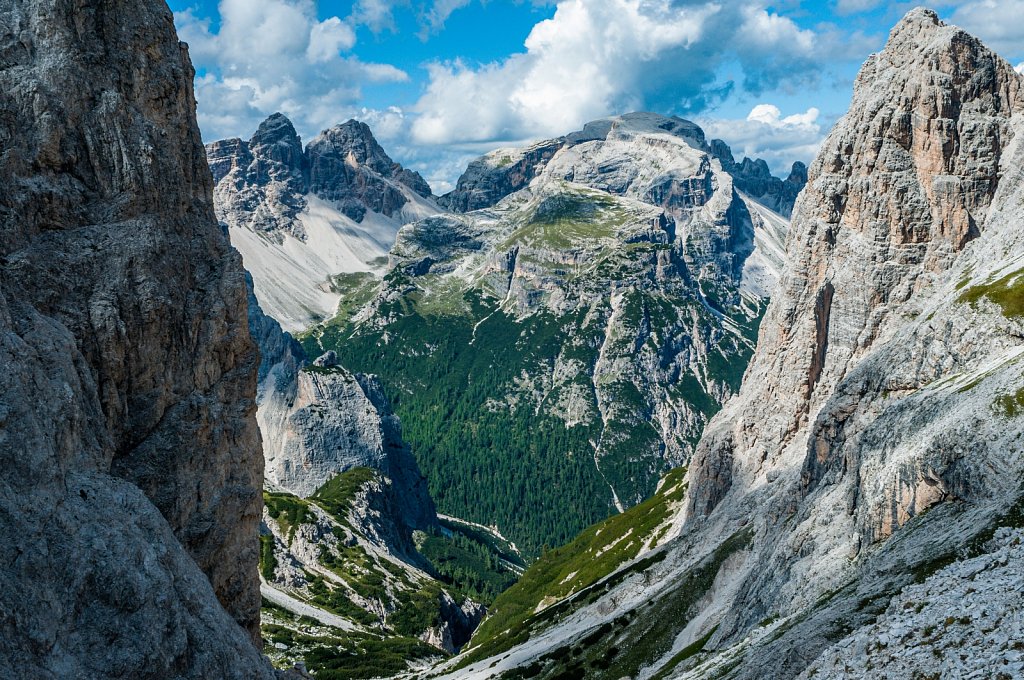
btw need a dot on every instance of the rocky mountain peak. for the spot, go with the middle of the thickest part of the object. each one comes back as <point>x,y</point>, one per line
<point>872,377</point>
<point>276,128</point>
<point>629,125</point>
<point>302,216</point>
<point>798,174</point>
<point>347,165</point>
<point>929,119</point>
<point>278,143</point>
<point>354,142</point>
<point>754,178</point>
<point>490,178</point>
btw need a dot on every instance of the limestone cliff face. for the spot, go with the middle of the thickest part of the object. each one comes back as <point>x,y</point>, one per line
<point>325,420</point>
<point>877,435</point>
<point>754,178</point>
<point>132,460</point>
<point>901,186</point>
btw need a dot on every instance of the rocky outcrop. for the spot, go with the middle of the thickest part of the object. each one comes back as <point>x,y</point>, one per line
<point>490,178</point>
<point>876,438</point>
<point>502,172</point>
<point>132,462</point>
<point>754,178</point>
<point>348,166</point>
<point>879,227</point>
<point>262,183</point>
<point>319,420</point>
<point>868,400</point>
<point>300,217</point>
<point>331,421</point>
<point>964,621</point>
<point>456,625</point>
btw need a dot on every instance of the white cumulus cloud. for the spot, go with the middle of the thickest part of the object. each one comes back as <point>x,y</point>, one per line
<point>275,55</point>
<point>1019,68</point>
<point>766,134</point>
<point>594,58</point>
<point>328,39</point>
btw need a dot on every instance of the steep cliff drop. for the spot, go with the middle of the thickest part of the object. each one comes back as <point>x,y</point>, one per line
<point>130,494</point>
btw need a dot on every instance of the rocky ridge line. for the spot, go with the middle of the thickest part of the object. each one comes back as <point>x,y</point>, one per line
<point>303,218</point>
<point>499,173</point>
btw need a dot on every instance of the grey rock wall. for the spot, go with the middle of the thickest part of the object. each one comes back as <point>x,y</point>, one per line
<point>132,461</point>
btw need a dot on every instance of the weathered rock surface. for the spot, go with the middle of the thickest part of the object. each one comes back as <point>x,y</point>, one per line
<point>357,551</point>
<point>329,421</point>
<point>502,172</point>
<point>966,621</point>
<point>490,178</point>
<point>132,462</point>
<point>300,217</point>
<point>877,435</point>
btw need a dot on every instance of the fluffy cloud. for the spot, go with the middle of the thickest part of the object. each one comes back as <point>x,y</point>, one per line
<point>275,55</point>
<point>766,134</point>
<point>997,22</point>
<point>377,15</point>
<point>593,58</point>
<point>1019,68</point>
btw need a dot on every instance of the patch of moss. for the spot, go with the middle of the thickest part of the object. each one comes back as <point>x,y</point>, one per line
<point>268,563</point>
<point>336,495</point>
<point>1007,292</point>
<point>1010,405</point>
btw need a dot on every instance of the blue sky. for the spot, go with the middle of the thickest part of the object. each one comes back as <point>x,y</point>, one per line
<point>441,81</point>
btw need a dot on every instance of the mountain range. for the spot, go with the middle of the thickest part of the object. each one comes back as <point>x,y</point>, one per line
<point>618,406</point>
<point>604,291</point>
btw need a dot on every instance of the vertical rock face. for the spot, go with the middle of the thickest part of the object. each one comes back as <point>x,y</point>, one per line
<point>325,420</point>
<point>887,368</point>
<point>130,500</point>
<point>301,218</point>
<point>319,420</point>
<point>899,188</point>
<point>347,165</point>
<point>265,177</point>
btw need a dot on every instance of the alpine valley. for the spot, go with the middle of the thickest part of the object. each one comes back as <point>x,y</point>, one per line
<point>618,406</point>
